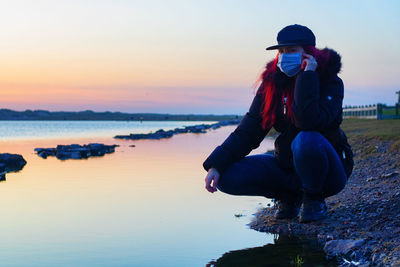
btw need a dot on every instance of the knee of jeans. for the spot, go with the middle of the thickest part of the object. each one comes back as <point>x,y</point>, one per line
<point>333,191</point>
<point>226,188</point>
<point>228,182</point>
<point>222,185</point>
<point>305,141</point>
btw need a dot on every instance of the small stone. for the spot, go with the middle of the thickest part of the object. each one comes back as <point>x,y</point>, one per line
<point>389,175</point>
<point>42,154</point>
<point>329,237</point>
<point>341,246</point>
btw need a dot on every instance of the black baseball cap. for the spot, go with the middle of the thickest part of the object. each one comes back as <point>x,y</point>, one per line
<point>294,35</point>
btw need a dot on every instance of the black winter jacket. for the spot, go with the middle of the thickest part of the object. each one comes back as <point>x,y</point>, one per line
<point>317,106</point>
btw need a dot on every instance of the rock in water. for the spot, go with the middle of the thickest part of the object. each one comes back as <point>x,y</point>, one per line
<point>75,151</point>
<point>338,247</point>
<point>201,128</point>
<point>2,172</point>
<point>12,162</point>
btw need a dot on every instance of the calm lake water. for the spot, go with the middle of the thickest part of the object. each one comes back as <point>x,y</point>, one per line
<point>140,206</point>
<point>11,130</point>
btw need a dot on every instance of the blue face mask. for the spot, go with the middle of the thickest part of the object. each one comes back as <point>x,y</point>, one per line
<point>290,64</point>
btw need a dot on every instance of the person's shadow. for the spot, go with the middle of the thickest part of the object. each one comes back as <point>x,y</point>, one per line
<point>286,251</point>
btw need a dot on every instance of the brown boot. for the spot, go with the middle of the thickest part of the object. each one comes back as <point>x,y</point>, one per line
<point>314,208</point>
<point>288,208</point>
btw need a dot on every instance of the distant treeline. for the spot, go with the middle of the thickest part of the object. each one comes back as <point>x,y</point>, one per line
<point>7,114</point>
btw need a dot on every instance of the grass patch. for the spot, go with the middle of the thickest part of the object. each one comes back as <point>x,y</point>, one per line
<point>366,135</point>
<point>372,129</point>
<point>389,111</point>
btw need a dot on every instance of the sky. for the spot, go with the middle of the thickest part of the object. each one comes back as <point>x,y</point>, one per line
<point>192,57</point>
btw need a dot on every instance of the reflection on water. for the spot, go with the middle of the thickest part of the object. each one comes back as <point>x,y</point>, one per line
<point>140,206</point>
<point>286,251</point>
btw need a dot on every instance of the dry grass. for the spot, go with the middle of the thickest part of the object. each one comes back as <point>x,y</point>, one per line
<point>380,129</point>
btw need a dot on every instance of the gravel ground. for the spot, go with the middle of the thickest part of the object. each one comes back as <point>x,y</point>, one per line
<point>363,228</point>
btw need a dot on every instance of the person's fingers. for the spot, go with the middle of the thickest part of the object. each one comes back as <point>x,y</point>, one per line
<point>208,183</point>
<point>209,188</point>
<point>210,179</point>
<point>309,58</point>
<point>215,182</point>
<point>206,179</point>
<point>304,63</point>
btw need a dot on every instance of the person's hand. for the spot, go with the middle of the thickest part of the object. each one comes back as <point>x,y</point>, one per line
<point>212,177</point>
<point>308,62</point>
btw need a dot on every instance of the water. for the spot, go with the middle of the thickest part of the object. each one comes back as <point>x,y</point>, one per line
<point>140,206</point>
<point>285,251</point>
<point>20,130</point>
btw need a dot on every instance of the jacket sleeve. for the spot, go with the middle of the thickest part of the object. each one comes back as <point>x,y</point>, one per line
<point>246,137</point>
<point>316,105</point>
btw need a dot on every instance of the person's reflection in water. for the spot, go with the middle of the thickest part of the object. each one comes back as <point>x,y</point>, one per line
<point>286,251</point>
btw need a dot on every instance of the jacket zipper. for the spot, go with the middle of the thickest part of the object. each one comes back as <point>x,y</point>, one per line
<point>284,105</point>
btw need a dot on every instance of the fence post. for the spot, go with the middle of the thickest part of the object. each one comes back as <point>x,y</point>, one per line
<point>379,111</point>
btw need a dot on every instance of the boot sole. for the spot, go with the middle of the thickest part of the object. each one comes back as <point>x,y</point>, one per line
<point>306,219</point>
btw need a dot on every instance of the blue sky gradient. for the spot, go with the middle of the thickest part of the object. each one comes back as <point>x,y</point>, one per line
<point>182,56</point>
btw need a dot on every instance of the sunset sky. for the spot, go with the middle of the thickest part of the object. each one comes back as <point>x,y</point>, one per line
<point>181,56</point>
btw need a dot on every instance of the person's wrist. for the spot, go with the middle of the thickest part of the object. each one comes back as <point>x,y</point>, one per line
<point>213,169</point>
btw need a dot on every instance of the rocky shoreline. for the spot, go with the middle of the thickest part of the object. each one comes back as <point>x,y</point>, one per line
<point>363,228</point>
<point>160,134</point>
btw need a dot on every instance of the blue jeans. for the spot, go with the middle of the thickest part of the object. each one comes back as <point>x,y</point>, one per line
<point>318,170</point>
